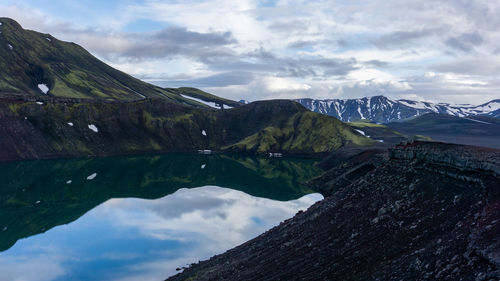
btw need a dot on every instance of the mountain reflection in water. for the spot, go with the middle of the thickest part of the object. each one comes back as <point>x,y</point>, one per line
<point>204,205</point>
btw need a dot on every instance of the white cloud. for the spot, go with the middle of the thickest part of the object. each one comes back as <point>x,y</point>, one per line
<point>277,84</point>
<point>44,267</point>
<point>213,219</point>
<point>293,37</point>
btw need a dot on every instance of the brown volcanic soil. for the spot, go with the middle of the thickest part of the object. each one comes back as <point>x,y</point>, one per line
<point>429,212</point>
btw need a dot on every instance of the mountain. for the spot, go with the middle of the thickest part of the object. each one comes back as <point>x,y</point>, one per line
<point>39,65</point>
<point>422,211</point>
<point>57,100</point>
<point>69,128</point>
<point>383,110</point>
<point>472,130</point>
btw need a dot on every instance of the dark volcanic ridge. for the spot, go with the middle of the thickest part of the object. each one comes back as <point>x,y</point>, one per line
<point>429,211</point>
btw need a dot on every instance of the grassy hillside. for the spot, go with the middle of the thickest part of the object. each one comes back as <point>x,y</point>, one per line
<point>299,134</point>
<point>29,59</point>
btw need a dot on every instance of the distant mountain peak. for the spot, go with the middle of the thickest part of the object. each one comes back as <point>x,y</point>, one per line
<point>381,109</point>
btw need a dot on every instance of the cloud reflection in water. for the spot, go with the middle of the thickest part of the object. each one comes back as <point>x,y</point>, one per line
<point>137,239</point>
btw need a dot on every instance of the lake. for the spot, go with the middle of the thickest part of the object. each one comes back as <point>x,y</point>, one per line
<point>139,217</point>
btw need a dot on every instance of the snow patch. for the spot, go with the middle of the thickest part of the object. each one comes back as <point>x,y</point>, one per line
<point>483,122</point>
<point>204,133</point>
<point>10,47</point>
<point>48,39</point>
<point>69,182</point>
<point>211,104</point>
<point>93,128</point>
<point>71,124</point>
<point>414,104</point>
<point>489,107</point>
<point>359,111</point>
<point>380,140</point>
<point>203,166</point>
<point>39,102</point>
<point>361,132</point>
<point>43,88</point>
<point>91,177</point>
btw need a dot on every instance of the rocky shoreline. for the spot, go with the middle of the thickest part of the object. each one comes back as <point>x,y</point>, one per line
<point>428,211</point>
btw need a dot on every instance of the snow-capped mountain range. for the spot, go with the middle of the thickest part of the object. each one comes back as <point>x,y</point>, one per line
<point>380,109</point>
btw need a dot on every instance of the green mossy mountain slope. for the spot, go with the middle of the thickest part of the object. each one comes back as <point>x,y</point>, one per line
<point>29,58</point>
<point>299,134</point>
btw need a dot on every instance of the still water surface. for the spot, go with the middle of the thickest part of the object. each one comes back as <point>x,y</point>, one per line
<point>139,218</point>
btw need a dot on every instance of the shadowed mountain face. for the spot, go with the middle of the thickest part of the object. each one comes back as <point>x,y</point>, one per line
<point>430,211</point>
<point>473,130</point>
<point>35,196</point>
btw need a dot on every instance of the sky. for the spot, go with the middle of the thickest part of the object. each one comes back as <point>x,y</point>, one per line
<point>440,51</point>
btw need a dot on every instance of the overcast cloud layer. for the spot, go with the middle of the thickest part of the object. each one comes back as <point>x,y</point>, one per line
<point>442,51</point>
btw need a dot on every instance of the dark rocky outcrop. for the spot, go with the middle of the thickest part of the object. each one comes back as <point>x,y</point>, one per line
<point>347,166</point>
<point>461,157</point>
<point>430,211</point>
